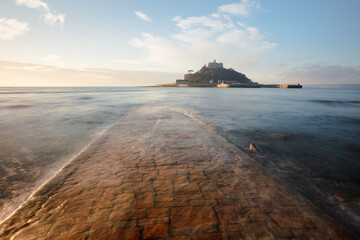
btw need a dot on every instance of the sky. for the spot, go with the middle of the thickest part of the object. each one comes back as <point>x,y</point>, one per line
<point>145,42</point>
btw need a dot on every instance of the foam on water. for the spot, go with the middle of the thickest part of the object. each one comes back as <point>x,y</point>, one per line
<point>9,211</point>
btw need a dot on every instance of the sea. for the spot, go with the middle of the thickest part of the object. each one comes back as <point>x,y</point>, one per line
<point>308,138</point>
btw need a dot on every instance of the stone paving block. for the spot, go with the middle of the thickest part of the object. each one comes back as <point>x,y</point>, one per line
<point>60,227</point>
<point>214,195</point>
<point>186,188</point>
<point>193,216</point>
<point>102,204</point>
<point>259,217</point>
<point>149,221</point>
<point>118,234</point>
<point>122,205</point>
<point>232,218</point>
<point>124,224</point>
<point>199,202</point>
<point>99,217</point>
<point>212,236</point>
<point>255,230</point>
<point>180,238</point>
<point>157,212</point>
<point>188,197</point>
<point>286,220</point>
<point>155,231</point>
<point>172,204</point>
<point>127,214</point>
<point>81,227</point>
<point>205,228</point>
<point>101,225</point>
<point>144,203</point>
<point>164,188</point>
<point>231,228</point>
<point>34,232</point>
<point>77,236</point>
<point>181,231</point>
<point>236,236</point>
<point>226,202</point>
<point>164,199</point>
<point>229,209</point>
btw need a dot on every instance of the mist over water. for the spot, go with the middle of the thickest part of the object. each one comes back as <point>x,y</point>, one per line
<point>42,128</point>
<point>309,137</point>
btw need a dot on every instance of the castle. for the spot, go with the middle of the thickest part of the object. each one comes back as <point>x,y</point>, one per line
<point>214,74</point>
<point>214,64</point>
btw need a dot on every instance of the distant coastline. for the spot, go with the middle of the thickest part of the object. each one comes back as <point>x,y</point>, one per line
<point>296,85</point>
<point>333,86</point>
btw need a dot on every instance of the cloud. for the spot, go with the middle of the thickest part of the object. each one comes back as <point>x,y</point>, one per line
<point>243,8</point>
<point>142,16</point>
<point>203,38</point>
<point>10,28</point>
<point>27,74</point>
<point>49,58</point>
<point>16,66</point>
<point>51,18</point>
<point>33,4</point>
<point>48,16</point>
<point>323,74</point>
<point>135,62</point>
<point>202,21</point>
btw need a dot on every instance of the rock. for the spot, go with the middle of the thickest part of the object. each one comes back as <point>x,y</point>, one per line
<point>254,148</point>
<point>284,137</point>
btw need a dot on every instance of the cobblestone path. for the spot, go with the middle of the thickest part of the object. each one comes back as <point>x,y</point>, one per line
<point>159,174</point>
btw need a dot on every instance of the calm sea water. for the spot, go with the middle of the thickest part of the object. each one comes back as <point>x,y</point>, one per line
<point>309,137</point>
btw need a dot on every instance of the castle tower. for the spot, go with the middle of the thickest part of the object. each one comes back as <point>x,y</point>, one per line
<point>214,64</point>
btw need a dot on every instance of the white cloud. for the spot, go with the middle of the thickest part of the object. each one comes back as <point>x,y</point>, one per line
<point>134,62</point>
<point>202,21</point>
<point>33,4</point>
<point>142,16</point>
<point>5,65</point>
<point>26,74</point>
<point>49,16</point>
<point>49,58</point>
<point>10,28</point>
<point>199,39</point>
<point>242,8</point>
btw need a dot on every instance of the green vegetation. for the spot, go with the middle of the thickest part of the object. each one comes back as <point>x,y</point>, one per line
<point>216,75</point>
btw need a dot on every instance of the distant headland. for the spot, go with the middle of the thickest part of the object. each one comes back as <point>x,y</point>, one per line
<point>214,74</point>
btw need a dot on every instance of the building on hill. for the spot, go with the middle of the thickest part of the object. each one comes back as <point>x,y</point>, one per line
<point>214,74</point>
<point>211,73</point>
<point>214,64</point>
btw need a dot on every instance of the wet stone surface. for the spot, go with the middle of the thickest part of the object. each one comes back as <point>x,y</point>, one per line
<point>158,174</point>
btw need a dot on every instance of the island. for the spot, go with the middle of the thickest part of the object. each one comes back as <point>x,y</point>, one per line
<point>213,74</point>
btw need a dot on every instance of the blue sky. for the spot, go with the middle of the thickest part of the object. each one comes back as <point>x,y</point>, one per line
<point>308,41</point>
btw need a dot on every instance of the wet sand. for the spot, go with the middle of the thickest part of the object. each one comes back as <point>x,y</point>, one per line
<point>158,173</point>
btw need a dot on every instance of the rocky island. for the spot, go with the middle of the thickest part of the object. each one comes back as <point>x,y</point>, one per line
<point>214,74</point>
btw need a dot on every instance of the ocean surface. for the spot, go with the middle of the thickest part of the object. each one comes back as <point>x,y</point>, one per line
<point>309,138</point>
